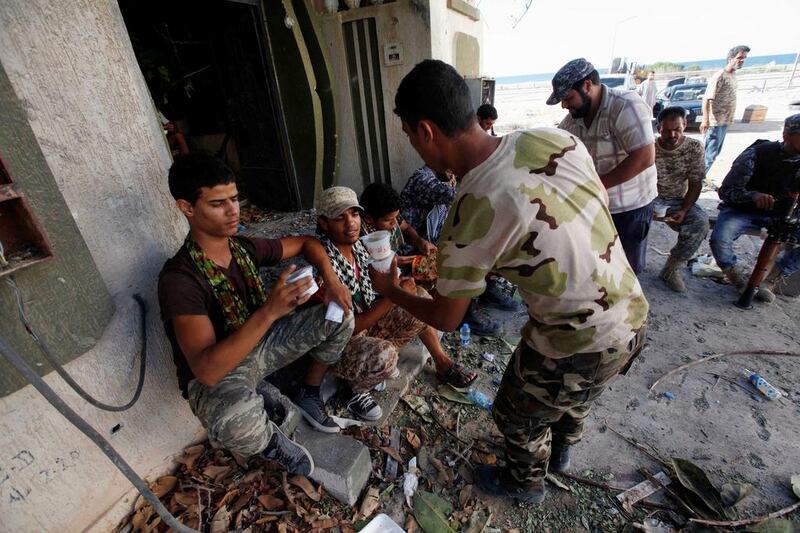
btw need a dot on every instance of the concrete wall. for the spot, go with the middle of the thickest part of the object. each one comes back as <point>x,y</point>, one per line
<point>397,22</point>
<point>446,23</point>
<point>426,29</point>
<point>72,67</point>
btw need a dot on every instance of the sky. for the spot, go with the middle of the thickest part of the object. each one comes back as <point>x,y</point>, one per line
<point>555,31</point>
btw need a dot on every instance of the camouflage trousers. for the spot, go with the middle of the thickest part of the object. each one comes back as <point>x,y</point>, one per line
<point>544,401</point>
<point>691,232</point>
<point>371,355</point>
<point>232,411</point>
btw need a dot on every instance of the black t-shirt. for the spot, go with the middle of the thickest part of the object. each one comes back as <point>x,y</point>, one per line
<point>183,290</point>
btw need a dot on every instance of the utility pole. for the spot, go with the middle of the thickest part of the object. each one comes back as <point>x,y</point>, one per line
<point>614,39</point>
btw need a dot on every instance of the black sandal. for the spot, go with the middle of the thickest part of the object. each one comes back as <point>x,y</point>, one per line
<point>458,376</point>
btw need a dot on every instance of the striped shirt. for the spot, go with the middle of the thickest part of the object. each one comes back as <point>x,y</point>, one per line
<point>622,124</point>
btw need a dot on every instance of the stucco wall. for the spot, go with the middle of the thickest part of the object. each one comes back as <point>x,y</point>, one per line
<point>445,24</point>
<point>72,67</point>
<point>397,22</point>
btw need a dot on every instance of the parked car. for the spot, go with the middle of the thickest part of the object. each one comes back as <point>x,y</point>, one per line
<point>688,96</point>
<point>620,81</point>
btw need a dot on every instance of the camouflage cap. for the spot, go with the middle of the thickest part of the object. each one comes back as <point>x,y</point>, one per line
<point>567,76</point>
<point>334,201</point>
<point>792,124</point>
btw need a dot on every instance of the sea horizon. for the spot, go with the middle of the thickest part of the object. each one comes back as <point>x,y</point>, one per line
<point>704,64</point>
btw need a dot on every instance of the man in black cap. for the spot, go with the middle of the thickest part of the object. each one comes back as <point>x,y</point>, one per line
<point>753,193</point>
<point>615,126</point>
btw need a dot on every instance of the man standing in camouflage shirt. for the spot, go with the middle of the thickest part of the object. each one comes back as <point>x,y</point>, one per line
<point>530,207</point>
<point>719,104</point>
<point>679,162</point>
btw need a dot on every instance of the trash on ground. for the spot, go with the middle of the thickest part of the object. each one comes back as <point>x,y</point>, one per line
<point>448,392</point>
<point>480,399</point>
<point>419,406</point>
<point>669,395</point>
<point>641,491</point>
<point>488,356</point>
<point>382,524</point>
<point>410,481</point>
<point>704,266</point>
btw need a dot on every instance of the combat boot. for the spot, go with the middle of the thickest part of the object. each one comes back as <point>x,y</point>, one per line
<point>735,277</point>
<point>672,276</point>
<point>559,458</point>
<point>489,479</point>
<point>770,286</point>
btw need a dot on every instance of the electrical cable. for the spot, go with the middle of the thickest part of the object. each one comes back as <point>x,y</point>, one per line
<point>75,419</point>
<point>60,369</point>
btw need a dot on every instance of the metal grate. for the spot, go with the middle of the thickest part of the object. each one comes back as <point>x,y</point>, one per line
<point>366,90</point>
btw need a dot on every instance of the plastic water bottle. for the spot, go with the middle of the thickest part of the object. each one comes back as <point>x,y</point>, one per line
<point>761,384</point>
<point>465,334</point>
<point>480,399</point>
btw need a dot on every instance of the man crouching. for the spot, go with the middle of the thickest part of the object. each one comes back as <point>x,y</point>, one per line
<point>228,332</point>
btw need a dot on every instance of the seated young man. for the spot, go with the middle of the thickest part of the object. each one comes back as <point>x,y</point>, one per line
<point>227,332</point>
<point>381,205</point>
<point>381,328</point>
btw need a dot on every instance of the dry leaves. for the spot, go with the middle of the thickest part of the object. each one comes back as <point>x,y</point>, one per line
<point>369,503</point>
<point>305,485</point>
<point>210,490</point>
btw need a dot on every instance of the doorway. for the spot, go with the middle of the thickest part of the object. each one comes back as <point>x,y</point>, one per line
<point>210,74</point>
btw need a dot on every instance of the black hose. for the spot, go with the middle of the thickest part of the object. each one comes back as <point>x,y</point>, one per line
<point>75,419</point>
<point>65,375</point>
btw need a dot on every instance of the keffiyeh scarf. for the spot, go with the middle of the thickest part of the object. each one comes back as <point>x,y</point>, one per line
<point>347,274</point>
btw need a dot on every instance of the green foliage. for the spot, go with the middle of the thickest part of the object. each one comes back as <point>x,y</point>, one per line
<point>666,66</point>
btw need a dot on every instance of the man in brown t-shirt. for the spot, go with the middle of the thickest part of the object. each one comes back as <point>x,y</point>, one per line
<point>679,163</point>
<point>719,104</point>
<point>227,332</point>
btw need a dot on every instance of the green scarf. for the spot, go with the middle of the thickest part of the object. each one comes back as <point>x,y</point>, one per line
<point>234,309</point>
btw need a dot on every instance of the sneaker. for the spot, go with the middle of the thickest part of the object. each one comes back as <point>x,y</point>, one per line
<point>364,406</point>
<point>488,479</point>
<point>287,453</point>
<point>313,410</point>
<point>559,458</point>
<point>480,323</point>
<point>495,297</point>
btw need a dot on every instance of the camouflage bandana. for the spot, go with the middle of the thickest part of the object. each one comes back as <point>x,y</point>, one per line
<point>234,309</point>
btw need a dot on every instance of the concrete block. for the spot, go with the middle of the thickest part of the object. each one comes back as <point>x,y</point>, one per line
<point>341,463</point>
<point>281,409</point>
<point>411,361</point>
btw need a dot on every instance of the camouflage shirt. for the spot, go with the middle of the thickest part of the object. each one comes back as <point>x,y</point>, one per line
<point>679,167</point>
<point>536,213</point>
<point>722,93</point>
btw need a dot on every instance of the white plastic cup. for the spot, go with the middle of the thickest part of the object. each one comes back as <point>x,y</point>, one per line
<point>383,265</point>
<point>660,211</point>
<point>378,244</point>
<point>305,272</point>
